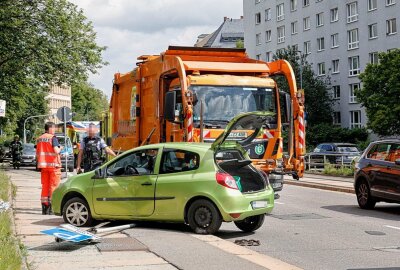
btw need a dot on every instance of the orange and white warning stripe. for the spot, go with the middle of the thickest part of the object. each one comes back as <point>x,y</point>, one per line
<point>268,134</point>
<point>301,130</point>
<point>189,117</point>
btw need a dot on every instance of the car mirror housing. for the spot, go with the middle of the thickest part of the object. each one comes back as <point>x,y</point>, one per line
<point>98,173</point>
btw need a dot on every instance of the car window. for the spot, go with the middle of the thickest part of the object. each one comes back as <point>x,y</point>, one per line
<point>326,147</point>
<point>394,153</point>
<point>174,160</point>
<point>348,149</point>
<point>380,152</point>
<point>136,163</point>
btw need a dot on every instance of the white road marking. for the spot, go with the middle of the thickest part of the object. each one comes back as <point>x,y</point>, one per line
<point>279,202</point>
<point>392,227</point>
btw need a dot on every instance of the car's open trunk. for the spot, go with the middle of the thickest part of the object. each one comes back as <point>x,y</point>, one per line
<point>233,163</point>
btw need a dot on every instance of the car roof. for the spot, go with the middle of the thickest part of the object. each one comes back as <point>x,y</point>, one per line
<point>179,145</point>
<point>339,144</point>
<point>386,141</point>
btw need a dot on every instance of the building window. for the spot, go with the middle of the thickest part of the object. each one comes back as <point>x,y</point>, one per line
<point>390,2</point>
<point>258,18</point>
<point>280,12</point>
<point>318,1</point>
<point>258,1</point>
<point>294,27</point>
<point>335,66</point>
<point>354,65</point>
<point>306,23</point>
<point>373,31</point>
<point>321,69</point>
<point>281,34</point>
<point>337,118</point>
<point>268,36</point>
<point>268,14</point>
<point>307,47</point>
<point>391,27</point>
<point>334,14</point>
<point>336,91</point>
<point>373,58</point>
<point>352,12</point>
<point>335,40</point>
<point>372,5</point>
<point>258,39</point>
<point>293,5</point>
<point>355,119</point>
<point>352,39</point>
<point>320,19</point>
<point>321,44</point>
<point>268,56</point>
<point>258,57</point>
<point>306,3</point>
<point>295,47</point>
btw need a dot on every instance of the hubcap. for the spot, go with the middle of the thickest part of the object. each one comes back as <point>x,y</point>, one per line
<point>362,193</point>
<point>203,217</point>
<point>77,214</point>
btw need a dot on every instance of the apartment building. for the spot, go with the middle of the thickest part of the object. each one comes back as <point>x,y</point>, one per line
<point>58,97</point>
<point>338,38</point>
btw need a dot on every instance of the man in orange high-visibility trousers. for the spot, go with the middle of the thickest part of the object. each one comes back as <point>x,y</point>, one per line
<point>49,162</point>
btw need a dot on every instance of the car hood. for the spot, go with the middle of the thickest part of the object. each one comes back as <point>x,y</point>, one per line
<point>247,125</point>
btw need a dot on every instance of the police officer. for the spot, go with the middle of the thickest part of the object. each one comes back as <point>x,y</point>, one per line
<point>48,160</point>
<point>91,149</point>
<point>16,151</point>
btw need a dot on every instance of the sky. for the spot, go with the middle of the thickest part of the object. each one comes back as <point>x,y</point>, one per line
<point>130,28</point>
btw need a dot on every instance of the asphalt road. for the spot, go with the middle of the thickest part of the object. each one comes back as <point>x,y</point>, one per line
<point>317,229</point>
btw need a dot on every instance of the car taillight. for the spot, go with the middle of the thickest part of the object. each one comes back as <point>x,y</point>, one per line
<point>226,180</point>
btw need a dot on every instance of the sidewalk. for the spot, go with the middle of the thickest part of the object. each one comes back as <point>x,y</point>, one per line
<point>326,182</point>
<point>164,248</point>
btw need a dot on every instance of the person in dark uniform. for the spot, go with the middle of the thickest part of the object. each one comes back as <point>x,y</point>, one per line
<point>91,149</point>
<point>16,151</point>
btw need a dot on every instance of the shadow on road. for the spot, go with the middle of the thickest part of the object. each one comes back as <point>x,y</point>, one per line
<point>56,221</point>
<point>388,212</point>
<point>229,234</point>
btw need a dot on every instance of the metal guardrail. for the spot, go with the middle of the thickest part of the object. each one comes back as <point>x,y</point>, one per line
<point>318,161</point>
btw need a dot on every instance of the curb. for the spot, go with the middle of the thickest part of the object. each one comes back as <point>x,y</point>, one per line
<point>320,186</point>
<point>246,253</point>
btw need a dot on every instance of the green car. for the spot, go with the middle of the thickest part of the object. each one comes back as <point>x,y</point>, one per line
<point>200,184</point>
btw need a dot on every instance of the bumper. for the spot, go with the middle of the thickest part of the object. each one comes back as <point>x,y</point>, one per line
<point>276,181</point>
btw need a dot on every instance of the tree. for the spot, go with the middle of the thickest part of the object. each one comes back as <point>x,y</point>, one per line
<point>380,94</point>
<point>318,103</point>
<point>88,102</point>
<point>239,44</point>
<point>42,42</point>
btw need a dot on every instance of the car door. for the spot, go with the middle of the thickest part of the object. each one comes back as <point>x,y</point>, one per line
<point>128,186</point>
<point>392,172</point>
<point>377,168</point>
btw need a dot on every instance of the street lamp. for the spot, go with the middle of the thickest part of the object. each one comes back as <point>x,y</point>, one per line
<point>34,116</point>
<point>301,68</point>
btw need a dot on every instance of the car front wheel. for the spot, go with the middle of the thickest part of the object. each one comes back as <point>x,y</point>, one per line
<point>76,212</point>
<point>364,198</point>
<point>204,217</point>
<point>250,224</point>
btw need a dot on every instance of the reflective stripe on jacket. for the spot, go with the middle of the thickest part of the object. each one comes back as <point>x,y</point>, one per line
<point>45,155</point>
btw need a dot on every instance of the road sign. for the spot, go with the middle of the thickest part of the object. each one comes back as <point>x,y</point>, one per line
<point>2,108</point>
<point>61,111</point>
<point>71,236</point>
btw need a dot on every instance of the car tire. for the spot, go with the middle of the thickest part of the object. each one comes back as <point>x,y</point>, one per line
<point>71,169</point>
<point>77,212</point>
<point>204,217</point>
<point>250,224</point>
<point>364,198</point>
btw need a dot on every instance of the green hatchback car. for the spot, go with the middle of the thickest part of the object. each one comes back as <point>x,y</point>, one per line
<point>200,184</point>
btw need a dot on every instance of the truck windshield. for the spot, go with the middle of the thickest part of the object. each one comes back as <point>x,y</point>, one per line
<point>222,103</point>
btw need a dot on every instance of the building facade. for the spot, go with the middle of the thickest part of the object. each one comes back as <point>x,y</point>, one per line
<point>58,97</point>
<point>338,38</point>
<point>226,36</point>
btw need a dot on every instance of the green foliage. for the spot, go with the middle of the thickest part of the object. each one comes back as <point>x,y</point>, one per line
<point>240,44</point>
<point>380,94</point>
<point>318,101</point>
<point>41,42</point>
<point>330,169</point>
<point>329,133</point>
<point>89,102</point>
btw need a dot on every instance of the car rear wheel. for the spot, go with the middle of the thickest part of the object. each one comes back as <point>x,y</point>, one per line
<point>364,198</point>
<point>250,224</point>
<point>204,217</point>
<point>76,212</point>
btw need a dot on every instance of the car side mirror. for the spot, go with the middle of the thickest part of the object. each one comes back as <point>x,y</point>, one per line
<point>169,106</point>
<point>397,161</point>
<point>98,173</point>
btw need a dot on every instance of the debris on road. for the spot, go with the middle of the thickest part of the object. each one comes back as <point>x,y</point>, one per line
<point>4,206</point>
<point>245,242</point>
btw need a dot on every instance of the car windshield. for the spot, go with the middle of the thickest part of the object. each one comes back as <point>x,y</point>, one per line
<point>348,149</point>
<point>29,147</point>
<point>62,141</point>
<point>222,103</point>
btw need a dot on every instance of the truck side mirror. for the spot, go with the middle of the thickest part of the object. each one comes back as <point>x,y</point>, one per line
<point>169,106</point>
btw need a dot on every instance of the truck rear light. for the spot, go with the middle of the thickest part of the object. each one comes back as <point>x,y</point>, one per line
<point>226,180</point>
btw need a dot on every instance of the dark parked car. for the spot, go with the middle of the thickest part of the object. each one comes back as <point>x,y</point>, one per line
<point>28,157</point>
<point>377,176</point>
<point>334,153</point>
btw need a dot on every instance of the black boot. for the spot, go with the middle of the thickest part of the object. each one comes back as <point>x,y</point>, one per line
<point>49,210</point>
<point>44,209</point>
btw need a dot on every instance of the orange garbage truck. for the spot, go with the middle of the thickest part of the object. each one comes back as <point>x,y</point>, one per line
<point>189,94</point>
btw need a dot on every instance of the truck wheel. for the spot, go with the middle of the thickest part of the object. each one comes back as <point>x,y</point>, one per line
<point>204,217</point>
<point>250,224</point>
<point>76,212</point>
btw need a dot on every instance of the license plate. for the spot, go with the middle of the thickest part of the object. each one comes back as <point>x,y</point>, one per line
<point>259,204</point>
<point>237,135</point>
<point>27,161</point>
<point>276,185</point>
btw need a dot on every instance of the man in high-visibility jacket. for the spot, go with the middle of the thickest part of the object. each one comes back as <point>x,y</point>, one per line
<point>49,162</point>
